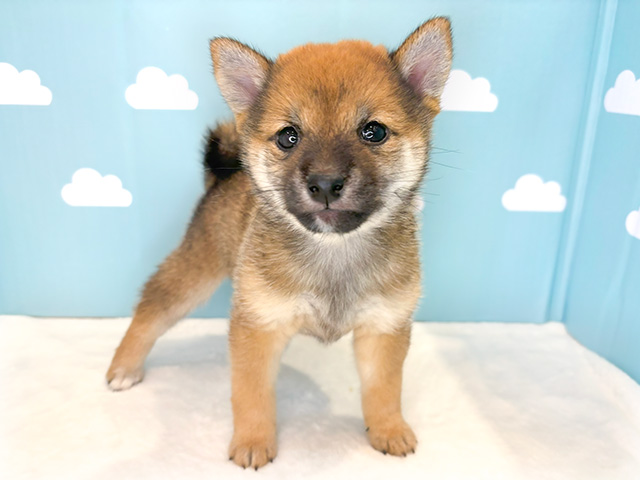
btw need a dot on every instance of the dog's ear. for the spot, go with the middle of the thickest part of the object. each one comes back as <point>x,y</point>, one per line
<point>240,72</point>
<point>424,58</point>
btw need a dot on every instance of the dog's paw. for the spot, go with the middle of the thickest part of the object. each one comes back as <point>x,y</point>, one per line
<point>252,452</point>
<point>122,379</point>
<point>394,438</point>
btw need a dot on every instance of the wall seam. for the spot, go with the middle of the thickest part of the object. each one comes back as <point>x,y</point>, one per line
<point>556,307</point>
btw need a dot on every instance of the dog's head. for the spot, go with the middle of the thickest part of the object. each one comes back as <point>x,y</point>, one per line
<point>335,136</point>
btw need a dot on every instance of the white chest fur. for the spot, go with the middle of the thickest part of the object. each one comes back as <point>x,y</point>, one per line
<point>340,281</point>
<point>327,318</point>
<point>377,313</point>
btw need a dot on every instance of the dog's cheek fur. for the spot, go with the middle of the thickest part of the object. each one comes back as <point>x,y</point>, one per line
<point>262,167</point>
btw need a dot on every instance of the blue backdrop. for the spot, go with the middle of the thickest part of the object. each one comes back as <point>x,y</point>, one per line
<point>528,212</point>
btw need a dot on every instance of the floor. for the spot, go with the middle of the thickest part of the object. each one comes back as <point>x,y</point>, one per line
<point>486,401</point>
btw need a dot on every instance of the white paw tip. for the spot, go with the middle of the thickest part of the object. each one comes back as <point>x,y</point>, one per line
<point>123,381</point>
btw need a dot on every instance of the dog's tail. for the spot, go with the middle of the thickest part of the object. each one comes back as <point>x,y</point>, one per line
<point>221,154</point>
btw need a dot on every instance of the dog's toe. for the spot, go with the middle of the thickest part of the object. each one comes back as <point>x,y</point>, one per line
<point>395,438</point>
<point>122,380</point>
<point>252,453</point>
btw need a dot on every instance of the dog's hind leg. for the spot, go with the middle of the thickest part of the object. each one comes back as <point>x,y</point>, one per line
<point>187,277</point>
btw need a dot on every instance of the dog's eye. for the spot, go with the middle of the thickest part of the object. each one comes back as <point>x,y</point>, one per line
<point>373,132</point>
<point>287,138</point>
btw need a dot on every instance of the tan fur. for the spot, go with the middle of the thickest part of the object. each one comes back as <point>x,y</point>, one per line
<point>380,358</point>
<point>288,279</point>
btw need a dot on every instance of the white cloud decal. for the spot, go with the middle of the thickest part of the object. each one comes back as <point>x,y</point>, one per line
<point>22,88</point>
<point>532,194</point>
<point>154,90</point>
<point>90,189</point>
<point>633,223</point>
<point>465,94</point>
<point>624,97</point>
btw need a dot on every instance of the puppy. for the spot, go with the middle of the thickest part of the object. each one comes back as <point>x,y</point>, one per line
<point>309,208</point>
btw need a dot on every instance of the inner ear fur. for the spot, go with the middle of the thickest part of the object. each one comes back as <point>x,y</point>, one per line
<point>424,59</point>
<point>240,72</point>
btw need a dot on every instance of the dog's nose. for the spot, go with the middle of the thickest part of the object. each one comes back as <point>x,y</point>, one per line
<point>325,188</point>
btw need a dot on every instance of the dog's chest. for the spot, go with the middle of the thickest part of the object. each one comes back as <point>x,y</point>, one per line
<point>339,290</point>
<point>325,292</point>
<point>326,318</point>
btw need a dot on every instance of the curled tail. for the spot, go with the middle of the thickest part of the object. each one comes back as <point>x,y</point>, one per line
<point>222,154</point>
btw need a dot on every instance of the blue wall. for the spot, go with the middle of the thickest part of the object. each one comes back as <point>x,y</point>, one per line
<point>603,296</point>
<point>481,261</point>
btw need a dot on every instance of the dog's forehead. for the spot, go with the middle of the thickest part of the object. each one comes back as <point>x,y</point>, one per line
<point>334,55</point>
<point>346,79</point>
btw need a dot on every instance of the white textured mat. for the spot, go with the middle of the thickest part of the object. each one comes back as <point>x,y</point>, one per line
<point>487,401</point>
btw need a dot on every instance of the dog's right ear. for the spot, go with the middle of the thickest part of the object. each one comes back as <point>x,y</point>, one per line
<point>424,59</point>
<point>240,72</point>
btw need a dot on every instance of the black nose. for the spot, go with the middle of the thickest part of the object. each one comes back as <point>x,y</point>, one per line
<point>325,188</point>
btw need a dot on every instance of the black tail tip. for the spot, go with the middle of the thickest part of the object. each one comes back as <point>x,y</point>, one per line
<point>221,153</point>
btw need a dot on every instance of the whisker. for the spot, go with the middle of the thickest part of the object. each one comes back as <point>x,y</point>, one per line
<point>408,181</point>
<point>443,150</point>
<point>260,192</point>
<point>448,166</point>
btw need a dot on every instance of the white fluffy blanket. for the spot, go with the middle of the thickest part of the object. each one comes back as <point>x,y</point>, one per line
<point>487,401</point>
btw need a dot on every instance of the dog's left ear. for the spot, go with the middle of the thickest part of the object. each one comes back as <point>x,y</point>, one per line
<point>424,58</point>
<point>241,72</point>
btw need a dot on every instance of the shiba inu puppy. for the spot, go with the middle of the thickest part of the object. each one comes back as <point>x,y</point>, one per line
<point>309,208</point>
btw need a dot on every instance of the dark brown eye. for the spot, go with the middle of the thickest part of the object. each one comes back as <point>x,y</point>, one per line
<point>373,132</point>
<point>287,138</point>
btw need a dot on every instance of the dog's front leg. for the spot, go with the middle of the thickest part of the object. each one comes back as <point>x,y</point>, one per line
<point>380,357</point>
<point>255,357</point>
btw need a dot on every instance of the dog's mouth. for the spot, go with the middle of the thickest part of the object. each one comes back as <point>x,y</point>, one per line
<point>331,220</point>
<point>328,216</point>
